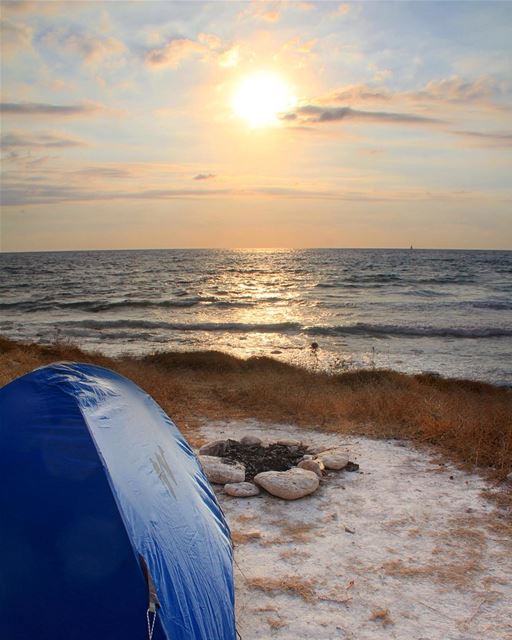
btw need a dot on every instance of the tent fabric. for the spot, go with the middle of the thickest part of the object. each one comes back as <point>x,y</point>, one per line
<point>97,486</point>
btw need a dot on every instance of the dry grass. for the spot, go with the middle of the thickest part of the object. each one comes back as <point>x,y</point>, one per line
<point>458,555</point>
<point>294,555</point>
<point>242,537</point>
<point>471,422</point>
<point>292,531</point>
<point>458,573</point>
<point>382,615</point>
<point>287,584</point>
<point>275,623</point>
<point>246,517</point>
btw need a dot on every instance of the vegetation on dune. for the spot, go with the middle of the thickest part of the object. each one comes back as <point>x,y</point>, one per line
<point>469,421</point>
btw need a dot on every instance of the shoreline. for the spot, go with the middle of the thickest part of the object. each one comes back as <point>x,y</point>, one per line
<point>468,422</point>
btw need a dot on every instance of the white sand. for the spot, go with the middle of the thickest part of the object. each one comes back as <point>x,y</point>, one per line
<point>425,559</point>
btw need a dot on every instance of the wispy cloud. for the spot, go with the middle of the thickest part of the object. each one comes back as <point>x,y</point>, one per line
<point>304,6</point>
<point>486,138</point>
<point>91,48</point>
<point>457,90</point>
<point>207,47</point>
<point>297,45</point>
<point>314,114</point>
<point>264,10</point>
<point>18,7</point>
<point>103,173</point>
<point>204,176</point>
<point>38,140</point>
<point>14,37</point>
<point>45,109</point>
<point>342,9</point>
<point>358,93</point>
<point>37,190</point>
<point>229,57</point>
<point>484,91</point>
<point>173,52</point>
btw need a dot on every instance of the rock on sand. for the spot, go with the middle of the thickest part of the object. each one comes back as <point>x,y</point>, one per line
<point>289,485</point>
<point>312,465</point>
<point>241,489</point>
<point>214,448</point>
<point>220,472</point>
<point>333,459</point>
<point>249,440</point>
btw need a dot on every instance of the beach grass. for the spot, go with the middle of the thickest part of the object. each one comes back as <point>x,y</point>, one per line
<point>468,422</point>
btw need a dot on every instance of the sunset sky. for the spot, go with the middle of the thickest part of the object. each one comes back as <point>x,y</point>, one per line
<point>256,124</point>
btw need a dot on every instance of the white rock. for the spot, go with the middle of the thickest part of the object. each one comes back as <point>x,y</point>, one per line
<point>315,449</point>
<point>333,459</point>
<point>317,466</point>
<point>289,485</point>
<point>220,472</point>
<point>214,448</point>
<point>248,440</point>
<point>241,489</point>
<point>289,442</point>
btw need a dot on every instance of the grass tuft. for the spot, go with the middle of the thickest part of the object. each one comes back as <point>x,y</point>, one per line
<point>382,615</point>
<point>291,585</point>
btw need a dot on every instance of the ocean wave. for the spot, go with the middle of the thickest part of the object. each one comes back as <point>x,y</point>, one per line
<point>95,306</point>
<point>495,305</point>
<point>357,329</point>
<point>276,327</point>
<point>374,330</point>
<point>425,293</point>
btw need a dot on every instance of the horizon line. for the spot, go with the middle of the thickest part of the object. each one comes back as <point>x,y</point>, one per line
<point>410,248</point>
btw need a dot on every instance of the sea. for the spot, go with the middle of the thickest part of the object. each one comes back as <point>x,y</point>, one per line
<point>440,311</point>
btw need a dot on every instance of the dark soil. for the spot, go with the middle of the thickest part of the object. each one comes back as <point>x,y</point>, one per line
<point>256,458</point>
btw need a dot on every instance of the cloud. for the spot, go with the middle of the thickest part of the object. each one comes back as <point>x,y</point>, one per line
<point>269,16</point>
<point>43,109</point>
<point>204,176</point>
<point>173,53</point>
<point>14,37</point>
<point>305,6</point>
<point>265,10</point>
<point>359,93</point>
<point>33,192</point>
<point>107,173</point>
<point>38,140</point>
<point>483,138</point>
<point>208,46</point>
<point>484,91</point>
<point>230,57</point>
<point>342,9</point>
<point>456,89</point>
<point>210,40</point>
<point>18,194</point>
<point>17,7</point>
<point>92,49</point>
<point>319,114</point>
<point>296,45</point>
<point>379,75</point>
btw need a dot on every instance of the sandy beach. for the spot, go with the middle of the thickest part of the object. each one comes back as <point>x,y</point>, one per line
<point>405,548</point>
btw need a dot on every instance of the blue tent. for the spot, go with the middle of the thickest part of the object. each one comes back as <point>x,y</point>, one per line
<point>104,514</point>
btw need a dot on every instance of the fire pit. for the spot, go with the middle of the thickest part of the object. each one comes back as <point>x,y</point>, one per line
<point>287,469</point>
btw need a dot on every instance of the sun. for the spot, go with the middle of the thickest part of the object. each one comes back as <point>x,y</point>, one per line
<point>261,97</point>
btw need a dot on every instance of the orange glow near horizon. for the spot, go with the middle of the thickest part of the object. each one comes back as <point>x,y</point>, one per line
<point>261,97</point>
